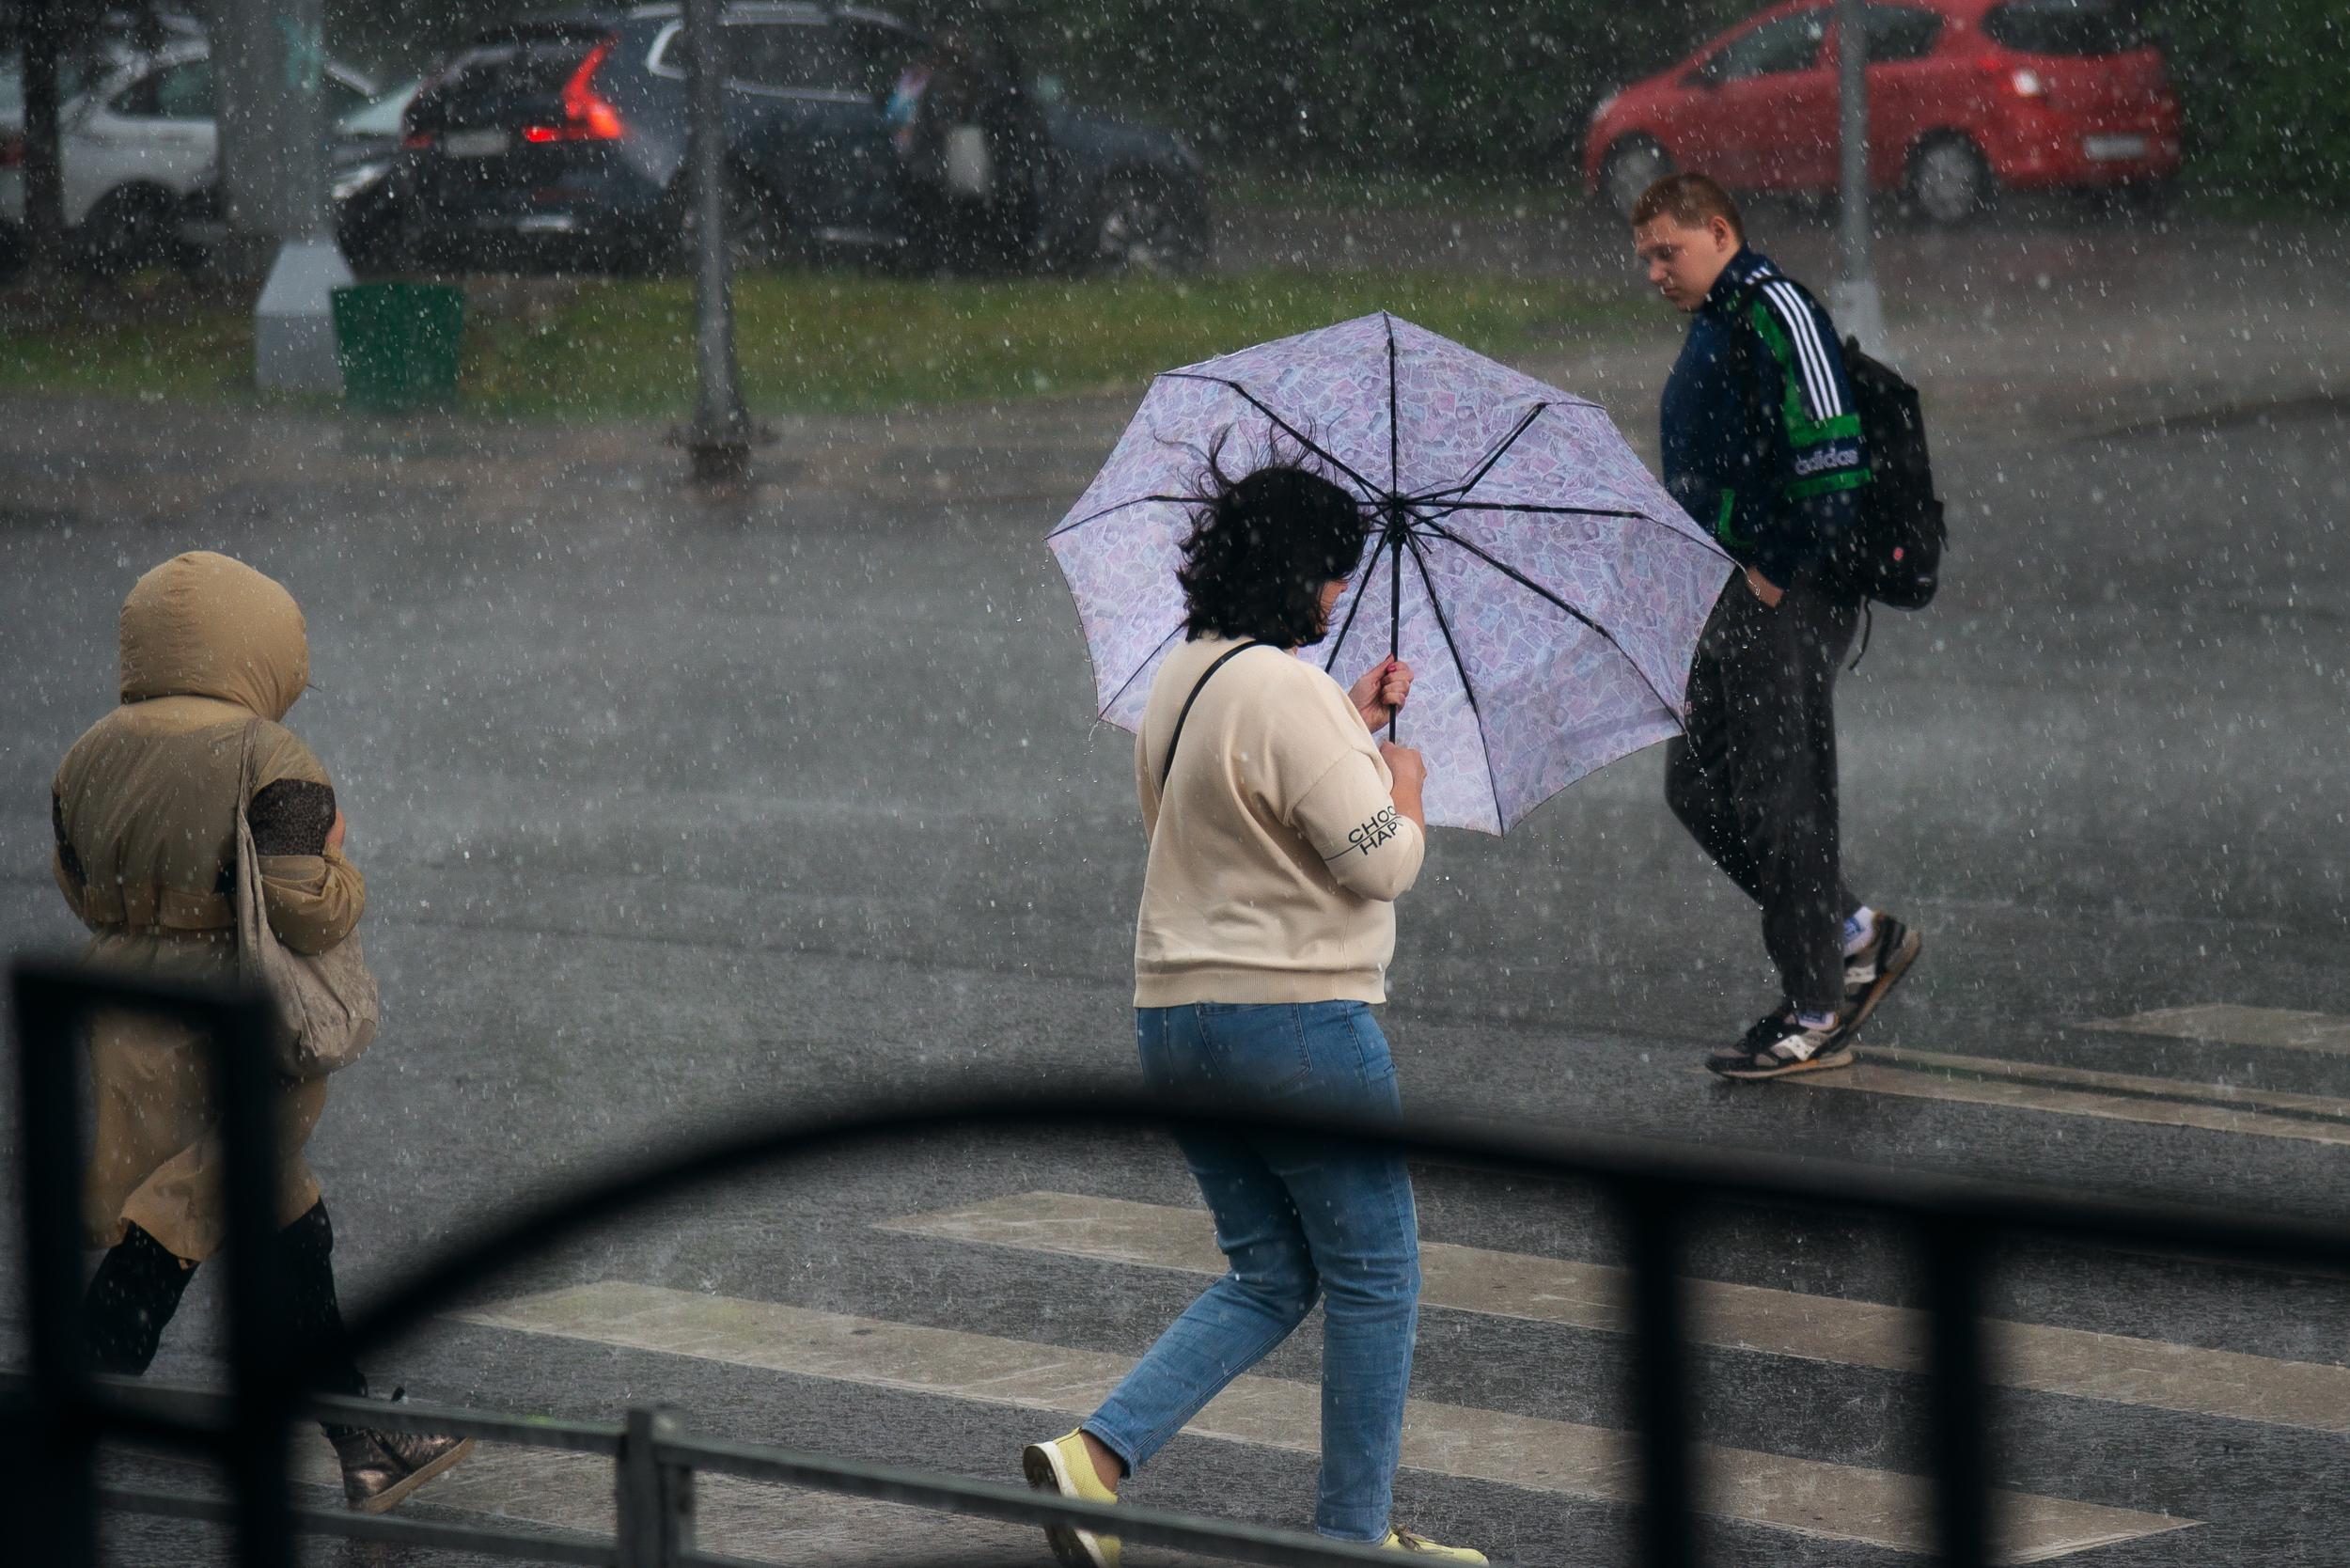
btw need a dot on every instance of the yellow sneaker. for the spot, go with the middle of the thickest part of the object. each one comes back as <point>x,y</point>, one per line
<point>1063,1467</point>
<point>1405,1541</point>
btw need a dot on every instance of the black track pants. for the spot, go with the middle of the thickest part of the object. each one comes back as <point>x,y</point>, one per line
<point>138,1285</point>
<point>1754,777</point>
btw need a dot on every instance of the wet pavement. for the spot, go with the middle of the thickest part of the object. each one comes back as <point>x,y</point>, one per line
<point>676,808</point>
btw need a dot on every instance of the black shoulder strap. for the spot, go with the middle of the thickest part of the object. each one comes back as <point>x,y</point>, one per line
<point>1167,767</point>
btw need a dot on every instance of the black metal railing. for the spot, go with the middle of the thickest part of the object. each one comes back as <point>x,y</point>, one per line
<point>52,1420</point>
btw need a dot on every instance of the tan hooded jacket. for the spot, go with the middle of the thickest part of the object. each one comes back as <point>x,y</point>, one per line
<point>143,808</point>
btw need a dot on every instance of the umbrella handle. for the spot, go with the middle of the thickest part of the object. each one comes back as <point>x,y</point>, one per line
<point>1395,612</point>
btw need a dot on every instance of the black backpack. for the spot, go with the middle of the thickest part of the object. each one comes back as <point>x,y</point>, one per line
<point>1895,554</point>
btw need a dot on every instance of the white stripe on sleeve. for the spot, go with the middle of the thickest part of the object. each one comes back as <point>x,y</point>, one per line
<point>1819,371</point>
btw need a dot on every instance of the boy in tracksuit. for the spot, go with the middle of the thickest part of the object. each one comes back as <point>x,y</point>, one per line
<point>1763,444</point>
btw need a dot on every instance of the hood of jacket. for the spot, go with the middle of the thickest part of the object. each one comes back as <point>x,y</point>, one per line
<point>204,625</point>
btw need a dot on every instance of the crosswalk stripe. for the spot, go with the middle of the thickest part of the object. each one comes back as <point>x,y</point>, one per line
<point>2110,1368</point>
<point>2232,1025</point>
<point>2307,1106</point>
<point>745,1518</point>
<point>1805,1496</point>
<point>2106,1096</point>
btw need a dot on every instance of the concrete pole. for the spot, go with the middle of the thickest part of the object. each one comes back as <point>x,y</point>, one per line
<point>1860,308</point>
<point>719,439</point>
<point>274,167</point>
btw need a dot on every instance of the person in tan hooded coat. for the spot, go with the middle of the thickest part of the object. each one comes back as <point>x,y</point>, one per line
<point>213,656</point>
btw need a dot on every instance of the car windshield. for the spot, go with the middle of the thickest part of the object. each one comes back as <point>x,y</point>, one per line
<point>378,115</point>
<point>2062,28</point>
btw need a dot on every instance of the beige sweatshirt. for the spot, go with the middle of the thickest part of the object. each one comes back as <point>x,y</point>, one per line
<point>1277,854</point>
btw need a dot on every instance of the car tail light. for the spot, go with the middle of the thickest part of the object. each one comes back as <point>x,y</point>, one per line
<point>587,116</point>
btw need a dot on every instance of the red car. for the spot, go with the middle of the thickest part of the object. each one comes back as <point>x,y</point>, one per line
<point>1966,98</point>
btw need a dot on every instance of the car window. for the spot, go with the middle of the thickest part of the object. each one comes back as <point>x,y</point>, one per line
<point>532,68</point>
<point>1902,33</point>
<point>72,76</point>
<point>880,55</point>
<point>183,92</point>
<point>792,56</point>
<point>2063,28</point>
<point>1790,43</point>
<point>339,98</point>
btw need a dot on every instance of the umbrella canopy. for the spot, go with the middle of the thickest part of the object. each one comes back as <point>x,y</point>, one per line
<point>1545,590</point>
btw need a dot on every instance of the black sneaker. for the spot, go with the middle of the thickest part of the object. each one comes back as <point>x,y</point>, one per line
<point>1876,969</point>
<point>1766,1029</point>
<point>1778,1045</point>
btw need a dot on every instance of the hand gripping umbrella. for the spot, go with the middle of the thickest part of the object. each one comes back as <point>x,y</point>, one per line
<point>1546,592</point>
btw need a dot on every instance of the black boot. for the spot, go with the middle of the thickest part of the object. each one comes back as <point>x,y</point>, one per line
<point>382,1467</point>
<point>379,1468</point>
<point>134,1293</point>
<point>314,1318</point>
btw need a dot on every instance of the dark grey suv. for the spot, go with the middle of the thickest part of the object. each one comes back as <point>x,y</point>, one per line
<point>565,142</point>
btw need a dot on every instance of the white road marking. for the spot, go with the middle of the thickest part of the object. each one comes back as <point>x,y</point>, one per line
<point>2232,1025</point>
<point>743,1518</point>
<point>1834,1501</point>
<point>2074,1362</point>
<point>2077,1091</point>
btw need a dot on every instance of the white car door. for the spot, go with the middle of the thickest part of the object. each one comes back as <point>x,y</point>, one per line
<point>154,128</point>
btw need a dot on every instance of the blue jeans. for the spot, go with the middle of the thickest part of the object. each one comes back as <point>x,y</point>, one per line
<point>1297,1218</point>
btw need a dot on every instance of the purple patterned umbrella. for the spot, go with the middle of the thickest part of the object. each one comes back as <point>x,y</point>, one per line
<point>1545,590</point>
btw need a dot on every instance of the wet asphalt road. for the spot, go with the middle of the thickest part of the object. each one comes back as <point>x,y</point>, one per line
<point>678,810</point>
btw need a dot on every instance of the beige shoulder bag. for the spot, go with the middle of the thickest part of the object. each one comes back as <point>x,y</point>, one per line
<point>326,1003</point>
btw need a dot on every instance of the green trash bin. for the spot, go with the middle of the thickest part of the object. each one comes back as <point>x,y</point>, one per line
<point>398,344</point>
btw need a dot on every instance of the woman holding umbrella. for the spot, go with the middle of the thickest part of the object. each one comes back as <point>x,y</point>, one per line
<point>1280,834</point>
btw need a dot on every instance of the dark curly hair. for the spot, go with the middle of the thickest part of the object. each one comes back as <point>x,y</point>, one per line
<point>1262,545</point>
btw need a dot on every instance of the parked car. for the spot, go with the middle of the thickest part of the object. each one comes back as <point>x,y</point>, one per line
<point>366,144</point>
<point>566,141</point>
<point>138,140</point>
<point>1966,98</point>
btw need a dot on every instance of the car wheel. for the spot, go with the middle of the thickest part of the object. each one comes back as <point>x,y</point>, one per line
<point>130,228</point>
<point>1138,228</point>
<point>1949,183</point>
<point>1631,166</point>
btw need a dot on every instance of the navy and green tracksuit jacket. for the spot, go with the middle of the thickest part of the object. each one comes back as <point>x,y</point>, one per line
<point>1761,437</point>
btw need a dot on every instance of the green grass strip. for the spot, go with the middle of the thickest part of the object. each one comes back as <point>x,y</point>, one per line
<point>818,342</point>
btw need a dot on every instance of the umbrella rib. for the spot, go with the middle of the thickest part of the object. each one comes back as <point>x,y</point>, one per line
<point>1395,419</point>
<point>1532,587</point>
<point>1492,782</point>
<point>1112,700</point>
<point>1449,507</point>
<point>1120,506</point>
<point>1495,456</point>
<point>1288,429</point>
<point>1361,592</point>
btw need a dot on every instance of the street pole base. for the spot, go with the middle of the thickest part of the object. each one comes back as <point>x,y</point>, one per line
<point>719,462</point>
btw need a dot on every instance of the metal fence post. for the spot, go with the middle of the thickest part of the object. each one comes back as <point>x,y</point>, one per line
<point>655,1523</point>
<point>49,1458</point>
<point>244,1090</point>
<point>1961,1438</point>
<point>1660,1380</point>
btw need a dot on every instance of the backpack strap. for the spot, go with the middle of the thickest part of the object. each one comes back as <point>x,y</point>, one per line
<point>1167,767</point>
